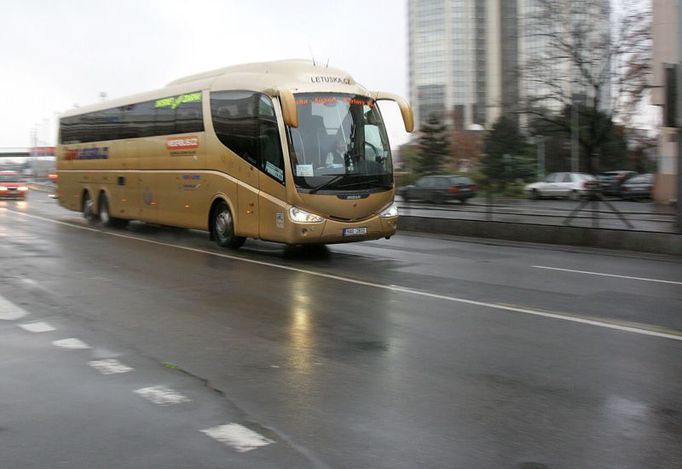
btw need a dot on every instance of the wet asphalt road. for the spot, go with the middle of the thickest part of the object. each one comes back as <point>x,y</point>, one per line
<point>416,351</point>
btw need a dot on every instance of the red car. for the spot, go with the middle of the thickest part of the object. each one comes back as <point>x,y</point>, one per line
<point>11,186</point>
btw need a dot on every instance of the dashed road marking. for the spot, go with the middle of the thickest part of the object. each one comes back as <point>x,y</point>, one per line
<point>71,343</point>
<point>162,395</point>
<point>238,437</point>
<point>9,311</point>
<point>37,327</point>
<point>109,366</point>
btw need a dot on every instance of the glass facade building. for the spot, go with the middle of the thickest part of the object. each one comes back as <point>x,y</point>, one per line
<point>467,57</point>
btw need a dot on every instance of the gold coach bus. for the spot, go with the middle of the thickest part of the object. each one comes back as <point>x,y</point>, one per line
<point>284,151</point>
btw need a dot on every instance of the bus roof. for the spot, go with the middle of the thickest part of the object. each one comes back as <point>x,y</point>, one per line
<point>297,75</point>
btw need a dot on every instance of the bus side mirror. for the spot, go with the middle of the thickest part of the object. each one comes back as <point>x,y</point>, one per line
<point>405,109</point>
<point>288,102</point>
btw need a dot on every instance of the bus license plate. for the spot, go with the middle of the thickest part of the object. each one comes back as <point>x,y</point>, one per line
<point>354,231</point>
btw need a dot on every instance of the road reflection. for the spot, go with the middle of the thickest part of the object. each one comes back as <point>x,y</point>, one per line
<point>300,326</point>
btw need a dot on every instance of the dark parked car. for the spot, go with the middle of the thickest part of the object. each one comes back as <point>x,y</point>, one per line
<point>637,187</point>
<point>611,181</point>
<point>439,189</point>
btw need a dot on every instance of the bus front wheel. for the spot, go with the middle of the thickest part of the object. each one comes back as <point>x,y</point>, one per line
<point>223,228</point>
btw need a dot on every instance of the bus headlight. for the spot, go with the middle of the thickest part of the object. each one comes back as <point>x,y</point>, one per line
<point>390,212</point>
<point>301,216</point>
<point>22,188</point>
<point>3,188</point>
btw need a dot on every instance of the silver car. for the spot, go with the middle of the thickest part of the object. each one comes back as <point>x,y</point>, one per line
<point>571,185</point>
<point>637,187</point>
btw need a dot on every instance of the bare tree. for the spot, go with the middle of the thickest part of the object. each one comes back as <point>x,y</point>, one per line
<point>587,65</point>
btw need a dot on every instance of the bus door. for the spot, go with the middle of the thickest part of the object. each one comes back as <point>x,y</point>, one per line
<point>272,202</point>
<point>272,199</point>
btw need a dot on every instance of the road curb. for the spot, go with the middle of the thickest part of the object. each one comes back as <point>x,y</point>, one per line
<point>643,241</point>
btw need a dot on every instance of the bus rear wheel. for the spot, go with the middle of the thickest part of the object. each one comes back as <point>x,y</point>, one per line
<point>222,226</point>
<point>88,208</point>
<point>105,215</point>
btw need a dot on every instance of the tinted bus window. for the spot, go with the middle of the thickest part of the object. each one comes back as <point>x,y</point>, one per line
<point>164,123</point>
<point>128,128</point>
<point>171,115</point>
<point>245,122</point>
<point>188,118</point>
<point>107,124</point>
<point>234,120</point>
<point>144,117</point>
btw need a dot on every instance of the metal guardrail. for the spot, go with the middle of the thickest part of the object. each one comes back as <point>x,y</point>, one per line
<point>639,220</point>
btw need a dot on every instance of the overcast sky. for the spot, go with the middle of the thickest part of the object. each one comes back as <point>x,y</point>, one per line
<point>57,54</point>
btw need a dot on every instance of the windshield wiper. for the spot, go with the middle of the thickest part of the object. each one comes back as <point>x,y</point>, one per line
<point>367,181</point>
<point>327,183</point>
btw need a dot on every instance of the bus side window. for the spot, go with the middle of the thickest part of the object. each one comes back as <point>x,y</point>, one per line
<point>164,123</point>
<point>188,118</point>
<point>245,122</point>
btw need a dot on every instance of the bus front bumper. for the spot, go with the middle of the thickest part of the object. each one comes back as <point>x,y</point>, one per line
<point>333,231</point>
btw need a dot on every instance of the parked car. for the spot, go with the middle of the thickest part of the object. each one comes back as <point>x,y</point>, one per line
<point>439,189</point>
<point>571,185</point>
<point>637,187</point>
<point>611,181</point>
<point>11,186</point>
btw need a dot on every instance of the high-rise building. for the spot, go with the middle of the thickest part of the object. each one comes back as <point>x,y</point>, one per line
<point>455,58</point>
<point>467,57</point>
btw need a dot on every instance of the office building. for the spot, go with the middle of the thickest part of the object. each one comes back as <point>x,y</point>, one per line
<point>466,57</point>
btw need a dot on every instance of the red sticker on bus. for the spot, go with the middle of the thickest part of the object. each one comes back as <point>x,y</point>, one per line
<point>182,143</point>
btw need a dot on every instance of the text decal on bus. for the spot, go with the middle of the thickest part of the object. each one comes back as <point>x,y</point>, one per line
<point>96,153</point>
<point>175,101</point>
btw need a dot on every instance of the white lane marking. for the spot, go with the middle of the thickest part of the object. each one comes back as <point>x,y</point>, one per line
<point>162,395</point>
<point>37,327</point>
<point>643,279</point>
<point>238,437</point>
<point>110,366</point>
<point>658,332</point>
<point>71,343</point>
<point>9,311</point>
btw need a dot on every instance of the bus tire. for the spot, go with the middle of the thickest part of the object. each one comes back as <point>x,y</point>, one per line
<point>105,215</point>
<point>222,226</point>
<point>88,207</point>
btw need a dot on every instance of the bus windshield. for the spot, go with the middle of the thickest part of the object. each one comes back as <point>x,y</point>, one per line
<point>340,144</point>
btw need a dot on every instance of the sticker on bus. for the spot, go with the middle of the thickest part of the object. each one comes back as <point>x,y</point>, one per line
<point>274,171</point>
<point>182,143</point>
<point>304,170</point>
